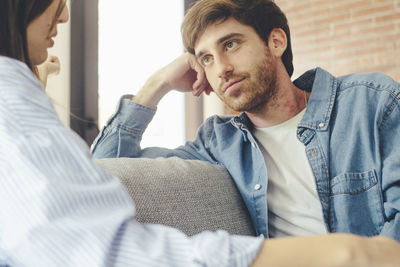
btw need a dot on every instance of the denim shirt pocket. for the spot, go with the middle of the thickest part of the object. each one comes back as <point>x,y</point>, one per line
<point>356,204</point>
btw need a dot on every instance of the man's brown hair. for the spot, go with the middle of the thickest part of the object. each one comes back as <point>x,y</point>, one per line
<point>262,15</point>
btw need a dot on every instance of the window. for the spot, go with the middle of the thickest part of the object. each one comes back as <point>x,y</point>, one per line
<point>136,38</point>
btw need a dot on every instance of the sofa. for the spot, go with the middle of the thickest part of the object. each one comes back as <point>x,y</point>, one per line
<point>189,195</point>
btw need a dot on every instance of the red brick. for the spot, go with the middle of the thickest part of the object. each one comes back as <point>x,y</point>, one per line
<point>385,68</point>
<point>334,18</point>
<point>296,7</point>
<point>313,31</point>
<point>312,48</point>
<point>346,36</point>
<point>321,4</point>
<point>389,37</point>
<point>373,50</point>
<point>372,10</point>
<point>388,56</point>
<point>377,49</point>
<point>383,1</point>
<point>349,5</point>
<point>378,29</point>
<point>351,24</point>
<point>354,62</point>
<point>391,17</point>
<point>353,43</point>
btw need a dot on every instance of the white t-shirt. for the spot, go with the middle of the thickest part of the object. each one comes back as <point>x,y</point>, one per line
<point>294,207</point>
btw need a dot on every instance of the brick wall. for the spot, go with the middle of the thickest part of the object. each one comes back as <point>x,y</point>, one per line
<point>345,36</point>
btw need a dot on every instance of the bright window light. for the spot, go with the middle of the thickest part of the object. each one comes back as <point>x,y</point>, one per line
<point>136,38</point>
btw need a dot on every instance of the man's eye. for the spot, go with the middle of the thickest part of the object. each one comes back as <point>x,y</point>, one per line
<point>206,60</point>
<point>230,44</point>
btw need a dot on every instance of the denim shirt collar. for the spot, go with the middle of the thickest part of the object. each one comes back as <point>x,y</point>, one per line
<point>243,123</point>
<point>323,87</point>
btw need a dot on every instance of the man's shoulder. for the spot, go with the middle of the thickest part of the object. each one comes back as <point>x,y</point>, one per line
<point>216,125</point>
<point>218,120</point>
<point>373,80</point>
<point>221,131</point>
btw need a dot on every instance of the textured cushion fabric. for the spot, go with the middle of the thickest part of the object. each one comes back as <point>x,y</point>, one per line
<point>190,195</point>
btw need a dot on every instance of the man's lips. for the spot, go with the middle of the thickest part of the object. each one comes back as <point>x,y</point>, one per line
<point>229,85</point>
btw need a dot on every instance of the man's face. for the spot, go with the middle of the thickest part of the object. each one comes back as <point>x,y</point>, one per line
<point>238,65</point>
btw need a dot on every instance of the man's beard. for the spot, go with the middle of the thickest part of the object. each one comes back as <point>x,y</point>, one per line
<point>257,91</point>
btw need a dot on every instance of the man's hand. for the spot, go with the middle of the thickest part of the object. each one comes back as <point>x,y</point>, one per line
<point>49,67</point>
<point>330,250</point>
<point>183,74</point>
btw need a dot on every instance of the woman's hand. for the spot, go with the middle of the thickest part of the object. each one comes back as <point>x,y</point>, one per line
<point>49,67</point>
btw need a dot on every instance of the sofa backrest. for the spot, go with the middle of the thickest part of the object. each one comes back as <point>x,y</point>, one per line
<point>190,195</point>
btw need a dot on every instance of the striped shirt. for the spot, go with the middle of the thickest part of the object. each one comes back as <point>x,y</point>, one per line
<point>57,208</point>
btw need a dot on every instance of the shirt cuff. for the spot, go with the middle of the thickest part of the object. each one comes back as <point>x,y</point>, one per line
<point>232,250</point>
<point>130,115</point>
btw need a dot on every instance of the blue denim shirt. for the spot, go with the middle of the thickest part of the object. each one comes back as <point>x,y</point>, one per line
<point>351,133</point>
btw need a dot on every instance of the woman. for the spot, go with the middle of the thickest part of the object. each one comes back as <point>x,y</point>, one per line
<point>57,208</point>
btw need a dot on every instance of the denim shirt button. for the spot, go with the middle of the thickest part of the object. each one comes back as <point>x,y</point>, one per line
<point>253,145</point>
<point>257,187</point>
<point>314,152</point>
<point>237,121</point>
<point>321,125</point>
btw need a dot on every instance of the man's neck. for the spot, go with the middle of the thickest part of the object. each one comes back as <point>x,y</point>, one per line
<point>288,101</point>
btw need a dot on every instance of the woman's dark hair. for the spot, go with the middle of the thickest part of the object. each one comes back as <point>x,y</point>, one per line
<point>15,16</point>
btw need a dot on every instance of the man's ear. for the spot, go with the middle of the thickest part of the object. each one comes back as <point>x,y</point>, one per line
<point>277,42</point>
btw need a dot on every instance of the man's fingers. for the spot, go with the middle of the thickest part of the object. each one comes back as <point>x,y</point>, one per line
<point>209,89</point>
<point>201,84</point>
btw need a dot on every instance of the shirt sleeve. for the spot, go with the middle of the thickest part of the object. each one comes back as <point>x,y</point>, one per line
<point>390,154</point>
<point>123,133</point>
<point>57,208</point>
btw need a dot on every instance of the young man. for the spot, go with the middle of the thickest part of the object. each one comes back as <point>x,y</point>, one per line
<point>313,156</point>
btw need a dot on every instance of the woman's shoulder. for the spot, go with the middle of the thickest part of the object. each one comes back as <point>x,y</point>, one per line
<point>14,72</point>
<point>21,94</point>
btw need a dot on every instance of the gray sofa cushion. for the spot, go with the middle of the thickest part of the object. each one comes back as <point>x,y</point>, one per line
<point>190,195</point>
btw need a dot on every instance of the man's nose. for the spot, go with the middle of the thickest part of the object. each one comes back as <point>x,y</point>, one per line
<point>224,67</point>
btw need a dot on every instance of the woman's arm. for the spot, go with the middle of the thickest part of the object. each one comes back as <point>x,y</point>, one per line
<point>329,250</point>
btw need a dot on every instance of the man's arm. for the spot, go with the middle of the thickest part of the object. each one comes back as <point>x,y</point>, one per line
<point>183,74</point>
<point>390,172</point>
<point>122,135</point>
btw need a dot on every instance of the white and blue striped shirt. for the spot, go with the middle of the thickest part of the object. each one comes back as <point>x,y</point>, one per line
<point>57,208</point>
